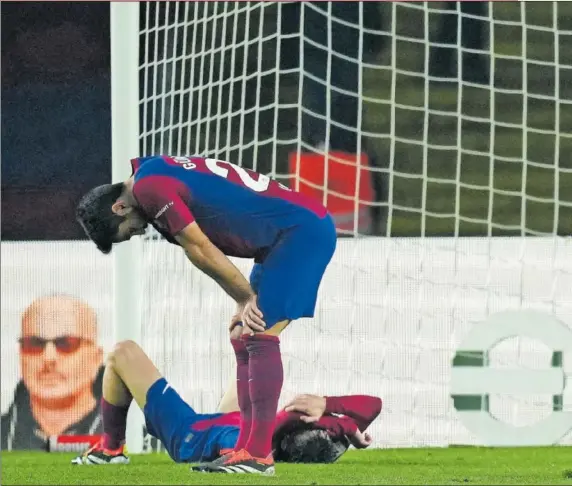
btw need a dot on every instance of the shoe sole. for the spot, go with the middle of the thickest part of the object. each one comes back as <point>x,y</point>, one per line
<point>88,461</point>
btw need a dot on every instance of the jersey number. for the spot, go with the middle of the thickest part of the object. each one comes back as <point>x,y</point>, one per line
<point>221,168</point>
<point>185,162</point>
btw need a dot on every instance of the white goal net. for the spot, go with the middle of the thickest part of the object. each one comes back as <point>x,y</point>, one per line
<point>439,134</point>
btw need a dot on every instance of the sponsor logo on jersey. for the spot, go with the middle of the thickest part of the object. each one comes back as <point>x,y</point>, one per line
<point>163,209</point>
<point>189,437</point>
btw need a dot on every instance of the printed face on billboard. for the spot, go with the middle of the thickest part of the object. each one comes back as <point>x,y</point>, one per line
<point>59,355</point>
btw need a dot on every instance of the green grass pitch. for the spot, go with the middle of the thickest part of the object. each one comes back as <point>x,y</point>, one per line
<point>463,465</point>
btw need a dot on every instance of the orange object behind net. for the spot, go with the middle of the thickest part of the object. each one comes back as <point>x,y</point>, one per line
<point>309,170</point>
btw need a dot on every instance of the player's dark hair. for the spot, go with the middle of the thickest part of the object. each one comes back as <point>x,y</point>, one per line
<point>97,219</point>
<point>310,446</point>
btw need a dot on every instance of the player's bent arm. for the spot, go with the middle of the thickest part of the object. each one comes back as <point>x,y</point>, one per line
<point>338,426</point>
<point>364,409</point>
<point>208,258</point>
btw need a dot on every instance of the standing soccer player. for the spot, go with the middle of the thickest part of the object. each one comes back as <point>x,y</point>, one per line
<point>214,209</point>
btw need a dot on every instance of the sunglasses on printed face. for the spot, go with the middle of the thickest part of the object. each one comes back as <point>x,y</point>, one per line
<point>63,344</point>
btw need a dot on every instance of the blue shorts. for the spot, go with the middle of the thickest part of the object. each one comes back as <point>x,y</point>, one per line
<point>288,280</point>
<point>170,419</point>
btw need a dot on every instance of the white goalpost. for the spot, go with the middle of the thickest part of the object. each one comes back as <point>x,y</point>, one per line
<point>439,137</point>
<point>125,146</point>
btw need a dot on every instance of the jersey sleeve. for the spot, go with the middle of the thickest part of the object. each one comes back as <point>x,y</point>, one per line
<point>364,409</point>
<point>135,164</point>
<point>164,200</point>
<point>337,426</point>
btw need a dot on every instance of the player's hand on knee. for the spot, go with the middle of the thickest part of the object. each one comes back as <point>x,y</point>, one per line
<point>247,331</point>
<point>252,317</point>
<point>235,328</point>
<point>312,406</point>
<point>235,320</point>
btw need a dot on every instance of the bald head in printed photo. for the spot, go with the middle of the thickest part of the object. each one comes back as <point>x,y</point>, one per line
<point>59,356</point>
<point>60,364</point>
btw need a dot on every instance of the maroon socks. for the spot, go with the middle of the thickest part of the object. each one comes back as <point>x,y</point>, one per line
<point>243,392</point>
<point>265,379</point>
<point>114,423</point>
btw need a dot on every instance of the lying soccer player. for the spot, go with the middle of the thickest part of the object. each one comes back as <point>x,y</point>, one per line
<point>214,209</point>
<point>307,431</point>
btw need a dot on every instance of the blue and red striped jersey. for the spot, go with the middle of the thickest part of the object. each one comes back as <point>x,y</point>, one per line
<point>241,211</point>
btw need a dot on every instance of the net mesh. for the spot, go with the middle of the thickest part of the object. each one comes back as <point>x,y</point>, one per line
<point>465,120</point>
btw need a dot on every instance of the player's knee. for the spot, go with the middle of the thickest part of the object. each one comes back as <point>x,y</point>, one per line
<point>123,352</point>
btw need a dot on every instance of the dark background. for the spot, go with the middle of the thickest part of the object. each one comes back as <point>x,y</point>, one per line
<point>56,114</point>
<point>472,164</point>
